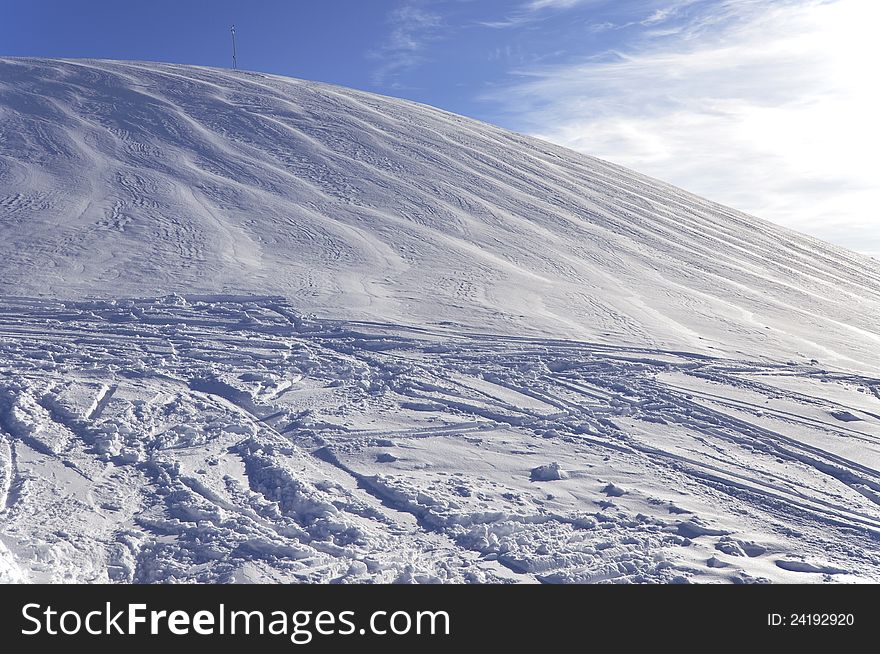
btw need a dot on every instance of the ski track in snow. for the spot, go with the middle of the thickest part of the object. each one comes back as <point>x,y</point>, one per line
<point>381,342</point>
<point>127,179</point>
<point>230,439</point>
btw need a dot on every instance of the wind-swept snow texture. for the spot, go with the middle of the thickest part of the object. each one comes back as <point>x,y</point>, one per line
<point>380,342</point>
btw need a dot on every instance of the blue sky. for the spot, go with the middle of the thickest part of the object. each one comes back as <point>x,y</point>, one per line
<point>766,105</point>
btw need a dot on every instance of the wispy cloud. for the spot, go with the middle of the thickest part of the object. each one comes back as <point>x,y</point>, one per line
<point>766,105</point>
<point>667,11</point>
<point>413,26</point>
<point>535,10</point>
<point>537,5</point>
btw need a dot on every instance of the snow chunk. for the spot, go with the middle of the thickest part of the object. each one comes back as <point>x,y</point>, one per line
<point>694,529</point>
<point>550,472</point>
<point>613,491</point>
<point>10,573</point>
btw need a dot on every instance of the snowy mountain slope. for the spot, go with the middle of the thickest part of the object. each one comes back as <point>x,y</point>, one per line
<point>130,179</point>
<point>526,365</point>
<point>234,440</point>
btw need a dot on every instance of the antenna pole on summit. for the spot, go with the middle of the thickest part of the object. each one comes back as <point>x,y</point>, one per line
<point>234,62</point>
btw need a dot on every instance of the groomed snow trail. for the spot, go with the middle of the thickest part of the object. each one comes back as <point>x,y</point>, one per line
<point>229,439</point>
<point>379,342</point>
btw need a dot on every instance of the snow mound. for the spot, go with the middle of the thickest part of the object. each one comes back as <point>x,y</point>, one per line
<point>125,179</point>
<point>550,472</point>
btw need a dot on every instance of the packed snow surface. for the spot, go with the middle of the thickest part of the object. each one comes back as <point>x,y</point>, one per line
<point>261,329</point>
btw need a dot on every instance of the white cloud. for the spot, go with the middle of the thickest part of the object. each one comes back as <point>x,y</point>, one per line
<point>533,10</point>
<point>537,5</point>
<point>412,27</point>
<point>766,105</point>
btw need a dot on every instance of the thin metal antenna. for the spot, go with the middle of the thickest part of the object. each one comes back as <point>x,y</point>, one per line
<point>234,62</point>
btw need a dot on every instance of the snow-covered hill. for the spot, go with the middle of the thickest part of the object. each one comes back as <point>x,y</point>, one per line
<point>126,179</point>
<point>483,306</point>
